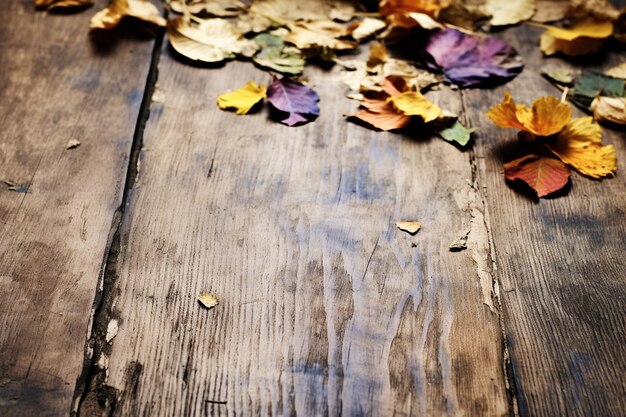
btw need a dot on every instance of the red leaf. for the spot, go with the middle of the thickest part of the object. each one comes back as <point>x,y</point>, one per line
<point>544,175</point>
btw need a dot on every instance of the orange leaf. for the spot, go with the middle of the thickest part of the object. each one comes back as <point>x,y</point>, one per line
<point>546,117</point>
<point>431,7</point>
<point>382,115</point>
<point>544,175</point>
<point>580,145</point>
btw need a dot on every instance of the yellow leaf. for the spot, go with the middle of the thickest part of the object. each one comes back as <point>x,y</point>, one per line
<point>413,103</point>
<point>411,227</point>
<point>584,37</point>
<point>213,40</point>
<point>207,299</point>
<point>243,99</point>
<point>579,145</point>
<point>546,117</point>
<point>112,15</point>
<point>510,12</point>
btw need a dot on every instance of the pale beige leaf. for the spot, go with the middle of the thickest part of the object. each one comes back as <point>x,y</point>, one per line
<point>213,40</point>
<point>208,300</point>
<point>284,11</point>
<point>610,109</point>
<point>618,71</point>
<point>319,34</point>
<point>219,8</point>
<point>365,28</point>
<point>509,12</point>
<point>112,15</point>
<point>551,10</point>
<point>411,227</point>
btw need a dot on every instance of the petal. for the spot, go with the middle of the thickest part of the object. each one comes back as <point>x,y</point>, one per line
<point>580,145</point>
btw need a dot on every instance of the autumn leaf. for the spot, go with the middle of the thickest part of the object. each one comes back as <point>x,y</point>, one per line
<point>609,109</point>
<point>213,40</point>
<point>471,61</point>
<point>381,114</point>
<point>207,300</point>
<point>63,4</point>
<point>319,34</point>
<point>217,8</point>
<point>276,56</point>
<point>546,117</point>
<point>365,28</point>
<point>464,14</point>
<point>618,71</point>
<point>431,7</point>
<point>411,227</point>
<point>589,85</point>
<point>243,99</point>
<point>295,103</point>
<point>117,10</point>
<point>551,10</point>
<point>457,133</point>
<point>583,37</point>
<point>509,12</point>
<point>413,103</point>
<point>283,11</point>
<point>399,25</point>
<point>544,175</point>
<point>579,145</point>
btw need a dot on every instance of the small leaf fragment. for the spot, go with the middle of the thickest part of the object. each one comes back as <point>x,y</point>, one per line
<point>544,175</point>
<point>207,300</point>
<point>460,243</point>
<point>72,143</point>
<point>243,99</point>
<point>457,133</point>
<point>411,227</point>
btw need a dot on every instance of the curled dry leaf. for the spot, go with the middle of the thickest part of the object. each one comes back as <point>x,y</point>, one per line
<point>471,61</point>
<point>213,40</point>
<point>509,12</point>
<point>579,145</point>
<point>411,227</point>
<point>62,4</point>
<point>295,102</point>
<point>583,37</point>
<point>111,16</point>
<point>609,109</point>
<point>243,99</point>
<point>207,300</point>
<point>544,175</point>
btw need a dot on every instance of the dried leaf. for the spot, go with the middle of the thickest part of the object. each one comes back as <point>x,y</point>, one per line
<point>365,28</point>
<point>72,143</point>
<point>544,175</point>
<point>413,103</point>
<point>319,34</point>
<point>63,4</point>
<point>276,56</point>
<point>295,102</point>
<point>510,12</point>
<point>243,99</point>
<point>411,227</point>
<point>381,114</point>
<point>465,15</point>
<point>471,61</point>
<point>584,37</point>
<point>283,11</point>
<point>457,133</point>
<point>579,145</point>
<point>399,25</point>
<point>431,7</point>
<point>589,85</point>
<point>207,300</point>
<point>546,117</point>
<point>618,71</point>
<point>551,10</point>
<point>609,109</point>
<point>111,16</point>
<point>217,8</point>
<point>213,40</point>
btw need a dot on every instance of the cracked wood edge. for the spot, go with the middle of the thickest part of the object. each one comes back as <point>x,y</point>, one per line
<point>281,230</point>
<point>58,84</point>
<point>560,263</point>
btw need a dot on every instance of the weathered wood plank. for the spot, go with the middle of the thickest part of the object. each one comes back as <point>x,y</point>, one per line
<point>560,263</point>
<point>325,306</point>
<point>56,84</point>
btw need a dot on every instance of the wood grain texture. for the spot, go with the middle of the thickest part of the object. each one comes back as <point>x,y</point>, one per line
<point>325,307</point>
<point>560,263</point>
<point>57,84</point>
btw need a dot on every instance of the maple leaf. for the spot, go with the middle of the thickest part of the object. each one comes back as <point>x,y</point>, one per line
<point>546,117</point>
<point>243,99</point>
<point>413,103</point>
<point>213,40</point>
<point>510,12</point>
<point>544,175</point>
<point>295,102</point>
<point>579,145</point>
<point>63,4</point>
<point>583,37</point>
<point>470,61</point>
<point>111,16</point>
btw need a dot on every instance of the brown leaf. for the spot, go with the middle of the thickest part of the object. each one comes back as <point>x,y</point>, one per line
<point>544,175</point>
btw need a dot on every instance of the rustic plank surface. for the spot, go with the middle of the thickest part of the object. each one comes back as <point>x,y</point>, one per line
<point>57,85</point>
<point>560,264</point>
<point>325,307</point>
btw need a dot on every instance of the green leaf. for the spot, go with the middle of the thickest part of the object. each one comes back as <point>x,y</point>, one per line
<point>274,55</point>
<point>590,85</point>
<point>457,133</point>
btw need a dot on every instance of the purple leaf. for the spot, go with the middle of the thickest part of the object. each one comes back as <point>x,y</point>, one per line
<point>295,102</point>
<point>472,61</point>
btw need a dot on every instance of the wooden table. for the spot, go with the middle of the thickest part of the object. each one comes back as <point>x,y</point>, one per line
<point>325,307</point>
